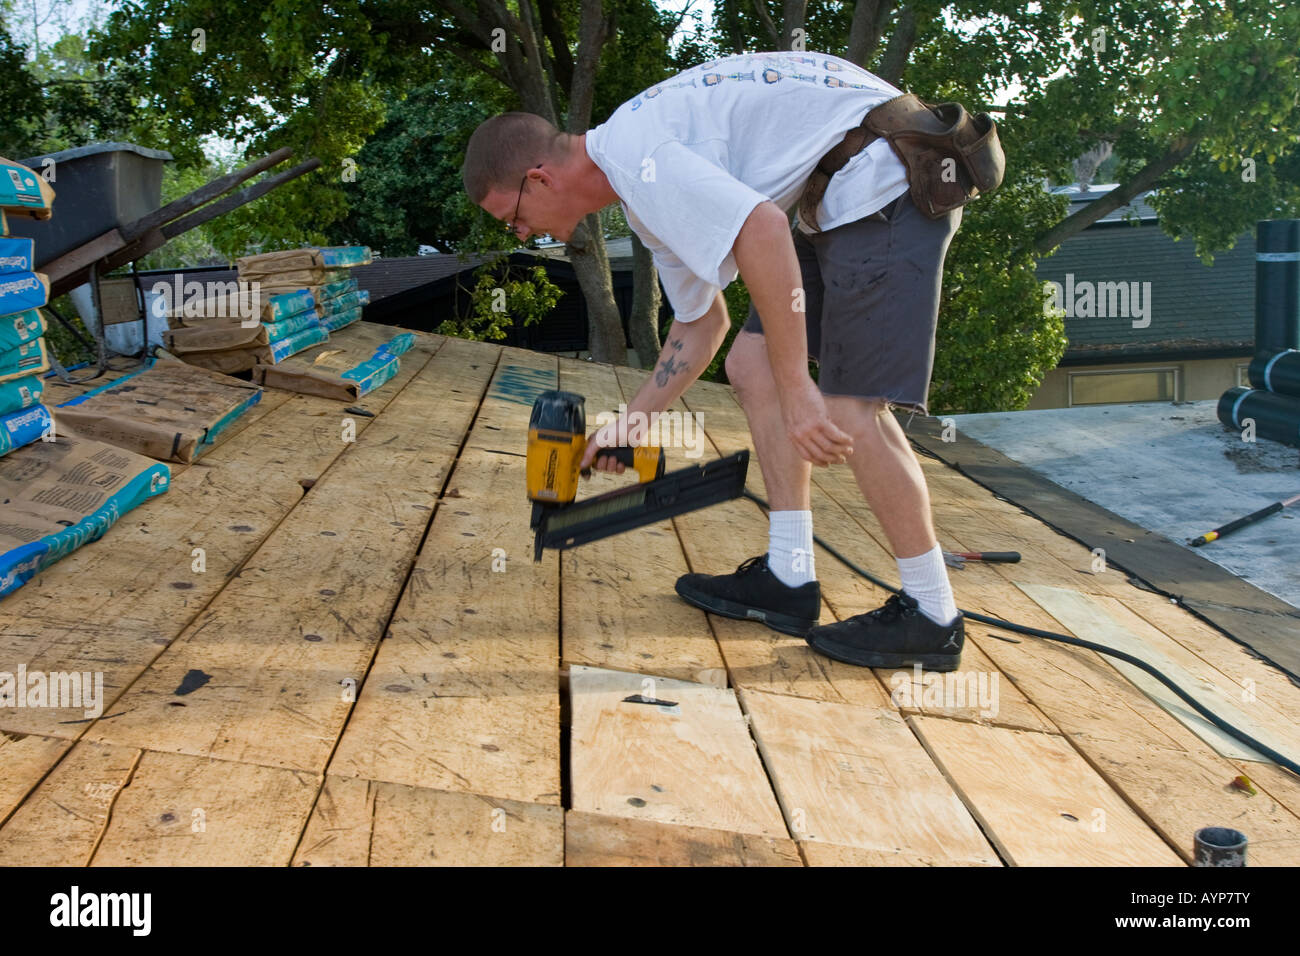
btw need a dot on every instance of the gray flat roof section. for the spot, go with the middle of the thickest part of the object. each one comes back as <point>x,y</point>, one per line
<point>1139,481</point>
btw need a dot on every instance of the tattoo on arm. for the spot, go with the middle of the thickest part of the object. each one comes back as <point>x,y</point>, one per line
<point>669,367</point>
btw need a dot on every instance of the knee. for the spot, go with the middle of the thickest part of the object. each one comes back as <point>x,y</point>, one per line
<point>861,418</point>
<point>742,363</point>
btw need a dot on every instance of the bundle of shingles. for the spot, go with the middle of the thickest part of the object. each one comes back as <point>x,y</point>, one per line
<point>23,354</point>
<point>58,492</point>
<point>286,302</point>
<point>322,273</point>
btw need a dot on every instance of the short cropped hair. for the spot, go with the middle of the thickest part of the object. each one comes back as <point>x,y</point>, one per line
<point>504,148</point>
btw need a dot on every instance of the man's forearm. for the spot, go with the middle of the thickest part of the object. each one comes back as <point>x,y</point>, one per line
<point>687,352</point>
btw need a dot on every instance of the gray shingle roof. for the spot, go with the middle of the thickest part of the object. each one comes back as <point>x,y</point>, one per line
<point>1192,307</point>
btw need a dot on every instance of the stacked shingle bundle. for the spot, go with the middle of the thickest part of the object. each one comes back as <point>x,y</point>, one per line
<point>23,355</point>
<point>320,271</point>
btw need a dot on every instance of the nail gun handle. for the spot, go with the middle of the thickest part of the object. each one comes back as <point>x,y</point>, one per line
<point>647,461</point>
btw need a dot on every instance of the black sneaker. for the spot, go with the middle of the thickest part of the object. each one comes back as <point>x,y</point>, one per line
<point>896,635</point>
<point>753,593</point>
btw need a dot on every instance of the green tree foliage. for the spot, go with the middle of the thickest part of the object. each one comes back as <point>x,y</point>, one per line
<point>1201,103</point>
<point>502,296</point>
<point>407,192</point>
<point>277,73</point>
<point>58,96</point>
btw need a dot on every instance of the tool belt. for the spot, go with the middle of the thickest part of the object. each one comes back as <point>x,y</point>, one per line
<point>923,136</point>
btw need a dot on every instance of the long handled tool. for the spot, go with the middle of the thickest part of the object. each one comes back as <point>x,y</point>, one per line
<point>1240,523</point>
<point>958,559</point>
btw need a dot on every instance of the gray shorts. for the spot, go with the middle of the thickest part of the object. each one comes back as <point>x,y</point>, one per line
<point>871,291</point>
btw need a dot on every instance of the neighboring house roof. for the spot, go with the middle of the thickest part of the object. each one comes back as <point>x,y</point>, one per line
<point>385,277</point>
<point>1194,309</point>
<point>618,250</point>
<point>1080,196</point>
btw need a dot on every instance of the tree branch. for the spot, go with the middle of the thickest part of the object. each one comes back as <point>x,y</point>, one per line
<point>593,30</point>
<point>899,48</point>
<point>793,13</point>
<point>1143,180</point>
<point>768,25</point>
<point>560,54</point>
<point>495,72</point>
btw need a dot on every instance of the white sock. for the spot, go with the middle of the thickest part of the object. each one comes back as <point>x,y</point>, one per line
<point>925,577</point>
<point>790,547</point>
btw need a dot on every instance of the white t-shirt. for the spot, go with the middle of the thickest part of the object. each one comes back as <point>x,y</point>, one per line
<point>691,157</point>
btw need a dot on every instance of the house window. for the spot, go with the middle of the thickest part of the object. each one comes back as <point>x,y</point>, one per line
<point>1243,375</point>
<point>1124,386</point>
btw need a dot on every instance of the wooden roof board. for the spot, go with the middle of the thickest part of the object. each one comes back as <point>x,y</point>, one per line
<point>473,715</point>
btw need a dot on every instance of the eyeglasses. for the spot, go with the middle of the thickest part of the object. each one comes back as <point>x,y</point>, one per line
<point>510,226</point>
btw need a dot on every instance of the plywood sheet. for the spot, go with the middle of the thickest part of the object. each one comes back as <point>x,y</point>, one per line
<point>1038,800</point>
<point>856,776</point>
<point>359,822</point>
<point>687,761</point>
<point>593,839</point>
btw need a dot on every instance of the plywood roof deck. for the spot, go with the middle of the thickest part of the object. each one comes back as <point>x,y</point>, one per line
<point>370,670</point>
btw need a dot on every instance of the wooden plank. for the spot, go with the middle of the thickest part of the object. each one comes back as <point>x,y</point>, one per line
<point>1255,680</point>
<point>1038,800</point>
<point>842,517</point>
<point>1264,690</point>
<point>190,811</point>
<point>359,822</point>
<point>81,259</point>
<point>619,607</point>
<point>691,762</point>
<point>593,839</point>
<point>1088,619</point>
<point>24,760</point>
<point>464,692</point>
<point>828,854</point>
<point>855,776</point>
<point>1172,778</point>
<point>262,674</point>
<point>113,605</point>
<point>62,821</point>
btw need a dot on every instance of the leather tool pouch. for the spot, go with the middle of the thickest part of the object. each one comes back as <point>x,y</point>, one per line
<point>951,156</point>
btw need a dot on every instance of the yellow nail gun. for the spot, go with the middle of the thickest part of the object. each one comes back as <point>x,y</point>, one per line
<point>557,439</point>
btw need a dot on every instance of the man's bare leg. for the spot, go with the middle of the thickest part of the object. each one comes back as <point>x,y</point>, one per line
<point>786,474</point>
<point>887,472</point>
<point>782,591</point>
<point>893,484</point>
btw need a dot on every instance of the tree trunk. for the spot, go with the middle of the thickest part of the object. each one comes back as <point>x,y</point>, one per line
<point>869,18</point>
<point>643,324</point>
<point>586,250</point>
<point>792,18</point>
<point>899,49</point>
